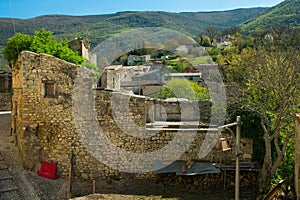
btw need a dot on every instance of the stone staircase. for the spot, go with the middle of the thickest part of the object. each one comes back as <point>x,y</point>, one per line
<point>8,188</point>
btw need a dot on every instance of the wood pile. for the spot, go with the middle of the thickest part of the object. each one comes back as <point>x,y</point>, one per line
<point>211,182</point>
<point>248,180</point>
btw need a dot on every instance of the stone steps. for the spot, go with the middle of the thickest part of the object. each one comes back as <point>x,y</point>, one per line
<point>8,187</point>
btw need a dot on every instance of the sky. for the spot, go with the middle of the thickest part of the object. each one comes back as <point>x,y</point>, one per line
<point>32,8</point>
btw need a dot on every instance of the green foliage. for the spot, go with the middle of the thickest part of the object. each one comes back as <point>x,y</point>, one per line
<point>286,13</point>
<point>92,67</point>
<point>250,129</point>
<point>206,42</point>
<point>284,171</point>
<point>97,28</point>
<point>214,52</point>
<point>182,88</point>
<point>15,45</point>
<point>263,73</point>
<point>203,40</point>
<point>272,74</point>
<point>178,64</point>
<point>42,42</point>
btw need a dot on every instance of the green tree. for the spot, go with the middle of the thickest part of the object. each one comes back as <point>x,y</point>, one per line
<point>271,90</point>
<point>213,33</point>
<point>182,88</point>
<point>15,45</point>
<point>42,42</point>
<point>205,41</point>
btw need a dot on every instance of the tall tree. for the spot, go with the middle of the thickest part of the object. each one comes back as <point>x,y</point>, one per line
<point>271,90</point>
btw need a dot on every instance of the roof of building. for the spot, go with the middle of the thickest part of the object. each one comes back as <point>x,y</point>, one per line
<point>113,67</point>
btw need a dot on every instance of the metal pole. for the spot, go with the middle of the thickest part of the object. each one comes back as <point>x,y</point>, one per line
<point>237,162</point>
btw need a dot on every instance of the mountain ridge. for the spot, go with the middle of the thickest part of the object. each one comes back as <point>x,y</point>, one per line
<point>286,12</point>
<point>99,27</point>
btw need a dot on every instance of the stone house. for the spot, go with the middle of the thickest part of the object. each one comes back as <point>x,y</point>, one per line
<point>80,45</point>
<point>110,79</point>
<point>51,123</point>
<point>133,59</point>
<point>5,91</point>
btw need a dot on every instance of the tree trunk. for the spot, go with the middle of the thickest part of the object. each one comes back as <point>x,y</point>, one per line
<point>266,174</point>
<point>269,167</point>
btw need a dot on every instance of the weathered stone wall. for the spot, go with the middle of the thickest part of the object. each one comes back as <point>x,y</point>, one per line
<point>176,111</point>
<point>297,157</point>
<point>5,91</point>
<point>47,130</point>
<point>43,125</point>
<point>5,101</point>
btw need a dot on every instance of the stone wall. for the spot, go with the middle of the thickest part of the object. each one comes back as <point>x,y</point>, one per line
<point>105,130</point>
<point>5,91</point>
<point>5,101</point>
<point>43,125</point>
<point>176,111</point>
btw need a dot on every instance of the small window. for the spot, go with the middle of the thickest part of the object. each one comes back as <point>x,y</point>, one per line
<point>2,84</point>
<point>49,89</point>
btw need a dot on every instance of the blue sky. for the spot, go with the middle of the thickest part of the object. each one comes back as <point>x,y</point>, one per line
<point>33,8</point>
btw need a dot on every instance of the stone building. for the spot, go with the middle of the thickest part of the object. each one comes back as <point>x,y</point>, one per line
<point>5,91</point>
<point>80,45</point>
<point>54,110</point>
<point>134,59</point>
<point>110,79</point>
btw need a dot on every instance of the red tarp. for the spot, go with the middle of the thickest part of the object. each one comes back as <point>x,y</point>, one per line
<point>48,170</point>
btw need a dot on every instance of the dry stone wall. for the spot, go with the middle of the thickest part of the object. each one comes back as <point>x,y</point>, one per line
<point>46,129</point>
<point>5,101</point>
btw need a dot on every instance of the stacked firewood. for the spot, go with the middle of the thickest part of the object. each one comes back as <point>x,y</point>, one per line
<point>248,180</point>
<point>211,182</point>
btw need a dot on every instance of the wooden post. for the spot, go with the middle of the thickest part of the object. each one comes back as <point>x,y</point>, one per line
<point>71,176</point>
<point>237,162</point>
<point>297,157</point>
<point>94,186</point>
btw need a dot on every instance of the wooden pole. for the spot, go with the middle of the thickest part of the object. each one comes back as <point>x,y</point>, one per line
<point>71,176</point>
<point>297,157</point>
<point>94,186</point>
<point>237,162</point>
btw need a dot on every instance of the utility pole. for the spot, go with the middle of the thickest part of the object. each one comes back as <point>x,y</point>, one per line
<point>237,162</point>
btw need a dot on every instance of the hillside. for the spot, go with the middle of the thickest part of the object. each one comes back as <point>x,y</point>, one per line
<point>286,13</point>
<point>96,28</point>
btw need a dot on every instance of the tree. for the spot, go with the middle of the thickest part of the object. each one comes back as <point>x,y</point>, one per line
<point>42,42</point>
<point>15,45</point>
<point>205,41</point>
<point>212,32</point>
<point>271,90</point>
<point>182,88</point>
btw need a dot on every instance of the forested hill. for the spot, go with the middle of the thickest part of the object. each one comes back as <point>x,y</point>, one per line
<point>99,27</point>
<point>287,13</point>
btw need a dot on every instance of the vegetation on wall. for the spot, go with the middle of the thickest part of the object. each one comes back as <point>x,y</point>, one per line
<point>182,88</point>
<point>42,42</point>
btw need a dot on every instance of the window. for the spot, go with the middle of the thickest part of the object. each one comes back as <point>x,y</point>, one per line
<point>49,89</point>
<point>2,84</point>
